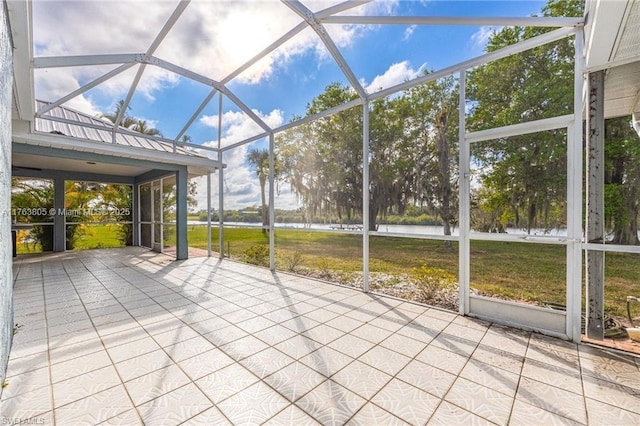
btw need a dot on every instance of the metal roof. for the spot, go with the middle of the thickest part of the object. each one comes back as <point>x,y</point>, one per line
<point>66,121</point>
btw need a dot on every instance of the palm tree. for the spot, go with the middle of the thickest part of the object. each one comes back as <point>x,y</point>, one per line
<point>127,120</point>
<point>141,127</point>
<point>130,122</point>
<point>258,160</point>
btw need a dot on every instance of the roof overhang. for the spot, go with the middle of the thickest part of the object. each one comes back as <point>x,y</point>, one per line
<point>22,37</point>
<point>613,44</point>
<point>196,165</point>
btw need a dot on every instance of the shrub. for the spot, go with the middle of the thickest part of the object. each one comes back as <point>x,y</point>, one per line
<point>324,268</point>
<point>431,281</point>
<point>257,255</point>
<point>293,262</point>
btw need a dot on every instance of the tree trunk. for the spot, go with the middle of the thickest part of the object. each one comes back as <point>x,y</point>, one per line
<point>627,234</point>
<point>444,175</point>
<point>265,213</point>
<point>373,215</point>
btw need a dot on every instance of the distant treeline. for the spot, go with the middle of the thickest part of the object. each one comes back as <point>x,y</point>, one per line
<point>292,216</point>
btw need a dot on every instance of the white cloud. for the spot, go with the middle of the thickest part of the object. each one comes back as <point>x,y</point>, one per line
<point>408,32</point>
<point>395,74</point>
<point>241,185</point>
<point>212,38</point>
<point>237,126</point>
<point>58,83</point>
<point>481,37</point>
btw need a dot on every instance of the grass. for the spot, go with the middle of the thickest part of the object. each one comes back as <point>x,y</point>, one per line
<point>92,236</point>
<point>534,273</point>
<point>99,236</point>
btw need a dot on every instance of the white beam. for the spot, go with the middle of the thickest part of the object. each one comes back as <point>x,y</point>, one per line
<point>317,116</point>
<point>613,248</point>
<point>521,129</point>
<point>152,48</point>
<point>340,7</point>
<point>84,88</point>
<point>245,109</point>
<point>489,57</point>
<point>245,141</point>
<point>464,200</point>
<point>198,146</point>
<point>197,113</point>
<point>209,82</point>
<point>273,46</point>
<point>508,238</point>
<point>127,100</point>
<point>575,150</point>
<point>453,20</point>
<point>479,60</point>
<point>86,60</point>
<point>310,18</point>
<point>22,36</point>
<point>272,215</point>
<point>167,26</point>
<point>177,69</point>
<point>220,184</point>
<point>366,220</point>
<point>209,215</point>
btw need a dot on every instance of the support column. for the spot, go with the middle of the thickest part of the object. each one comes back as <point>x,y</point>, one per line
<point>59,231</point>
<point>464,206</point>
<point>182,244</point>
<point>595,207</point>
<point>366,220</point>
<point>272,215</point>
<point>575,152</point>
<point>135,214</point>
<point>209,215</point>
<point>220,183</point>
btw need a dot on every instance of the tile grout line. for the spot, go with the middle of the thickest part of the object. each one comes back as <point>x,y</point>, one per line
<point>49,364</point>
<point>103,345</point>
<point>457,375</point>
<point>162,348</point>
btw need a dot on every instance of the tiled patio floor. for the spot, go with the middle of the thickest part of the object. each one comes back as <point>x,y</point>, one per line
<point>129,337</point>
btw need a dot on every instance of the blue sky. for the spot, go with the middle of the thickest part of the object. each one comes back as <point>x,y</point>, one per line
<point>214,37</point>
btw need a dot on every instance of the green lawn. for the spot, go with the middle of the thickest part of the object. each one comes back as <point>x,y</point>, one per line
<point>519,271</point>
<point>528,272</point>
<point>98,236</point>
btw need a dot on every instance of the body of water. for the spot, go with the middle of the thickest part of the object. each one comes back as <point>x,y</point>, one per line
<point>382,228</point>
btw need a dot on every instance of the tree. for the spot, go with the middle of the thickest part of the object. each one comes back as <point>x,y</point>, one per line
<point>258,160</point>
<point>411,161</point>
<point>127,120</point>
<point>141,126</point>
<point>433,132</point>
<point>622,181</point>
<point>119,198</point>
<point>130,122</point>
<point>527,173</point>
<point>31,202</point>
<point>322,160</point>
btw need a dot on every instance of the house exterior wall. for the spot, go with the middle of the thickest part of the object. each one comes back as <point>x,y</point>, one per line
<point>6,252</point>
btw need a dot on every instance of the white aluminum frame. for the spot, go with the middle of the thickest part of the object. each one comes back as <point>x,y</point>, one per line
<point>317,21</point>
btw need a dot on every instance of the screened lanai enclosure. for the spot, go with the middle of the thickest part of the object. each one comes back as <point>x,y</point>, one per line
<point>501,182</point>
